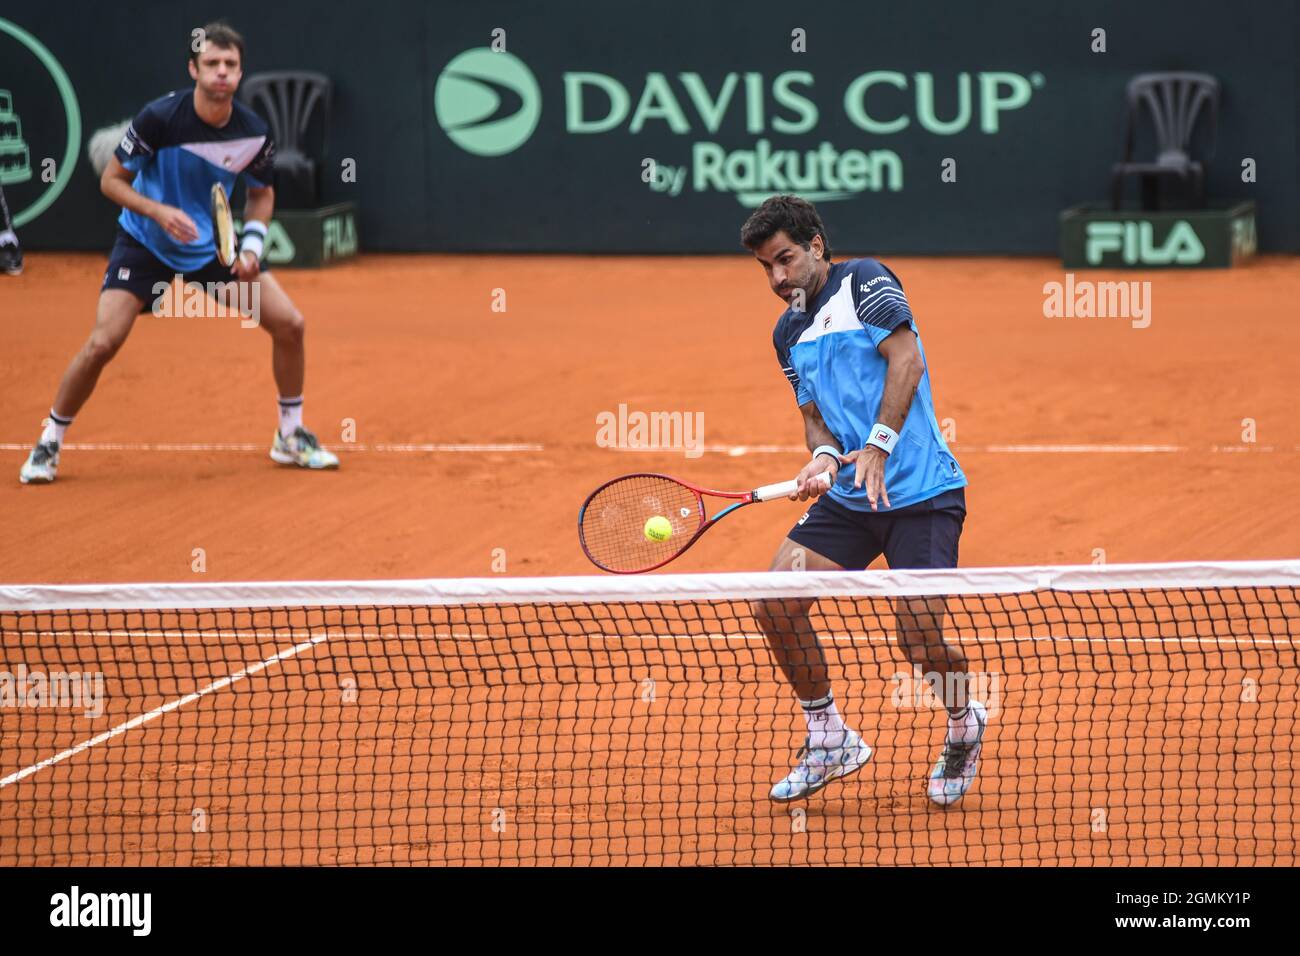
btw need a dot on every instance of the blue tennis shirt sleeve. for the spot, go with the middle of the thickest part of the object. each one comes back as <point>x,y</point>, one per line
<point>879,300</point>
<point>140,142</point>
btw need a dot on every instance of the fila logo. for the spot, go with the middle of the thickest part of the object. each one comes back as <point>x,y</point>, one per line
<point>126,144</point>
<point>826,322</point>
<point>226,162</point>
<point>804,518</point>
<point>123,274</point>
<point>881,436</point>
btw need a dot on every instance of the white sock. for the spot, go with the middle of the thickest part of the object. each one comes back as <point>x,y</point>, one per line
<point>964,729</point>
<point>290,415</point>
<point>825,725</point>
<point>8,238</point>
<point>55,426</point>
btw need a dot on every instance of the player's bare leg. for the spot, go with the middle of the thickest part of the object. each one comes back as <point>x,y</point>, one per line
<point>920,622</point>
<point>294,444</point>
<point>114,318</point>
<point>287,328</point>
<point>789,633</point>
<point>832,749</point>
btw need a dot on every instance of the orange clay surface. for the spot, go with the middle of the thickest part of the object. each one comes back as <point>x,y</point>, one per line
<point>410,350</point>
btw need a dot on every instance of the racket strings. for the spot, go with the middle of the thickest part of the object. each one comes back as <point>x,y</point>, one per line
<point>613,528</point>
<point>223,226</point>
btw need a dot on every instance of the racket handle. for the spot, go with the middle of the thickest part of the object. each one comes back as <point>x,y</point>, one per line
<point>784,489</point>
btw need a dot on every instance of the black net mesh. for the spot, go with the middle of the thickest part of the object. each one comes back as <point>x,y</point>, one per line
<point>1126,727</point>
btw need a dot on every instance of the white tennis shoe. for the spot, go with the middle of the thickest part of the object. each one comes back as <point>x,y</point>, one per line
<point>958,764</point>
<point>818,766</point>
<point>41,465</point>
<point>302,449</point>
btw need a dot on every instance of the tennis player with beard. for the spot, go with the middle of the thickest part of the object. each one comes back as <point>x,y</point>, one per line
<point>851,351</point>
<point>161,175</point>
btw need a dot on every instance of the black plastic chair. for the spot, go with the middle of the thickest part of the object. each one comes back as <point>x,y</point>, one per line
<point>289,101</point>
<point>1175,102</point>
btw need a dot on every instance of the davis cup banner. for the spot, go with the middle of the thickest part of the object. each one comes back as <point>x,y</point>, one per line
<point>584,126</point>
<point>679,154</point>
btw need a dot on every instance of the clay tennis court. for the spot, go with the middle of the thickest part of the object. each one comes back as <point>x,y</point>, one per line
<point>475,444</point>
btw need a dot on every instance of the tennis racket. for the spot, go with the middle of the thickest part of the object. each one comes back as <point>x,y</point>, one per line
<point>612,524</point>
<point>223,226</point>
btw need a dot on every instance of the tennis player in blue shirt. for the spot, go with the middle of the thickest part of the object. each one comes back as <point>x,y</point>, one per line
<point>161,175</point>
<point>851,351</point>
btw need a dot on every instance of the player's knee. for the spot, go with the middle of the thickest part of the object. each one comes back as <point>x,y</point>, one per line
<point>100,349</point>
<point>290,328</point>
<point>915,651</point>
<point>928,649</point>
<point>762,613</point>
<point>777,617</point>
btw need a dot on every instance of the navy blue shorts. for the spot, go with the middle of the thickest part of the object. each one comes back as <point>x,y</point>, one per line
<point>134,268</point>
<point>923,535</point>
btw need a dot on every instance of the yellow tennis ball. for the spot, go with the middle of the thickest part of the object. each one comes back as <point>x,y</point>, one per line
<point>658,528</point>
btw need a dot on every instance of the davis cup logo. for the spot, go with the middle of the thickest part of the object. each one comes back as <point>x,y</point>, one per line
<point>487,103</point>
<point>40,124</point>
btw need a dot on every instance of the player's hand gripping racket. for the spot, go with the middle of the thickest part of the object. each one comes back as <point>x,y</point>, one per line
<point>641,522</point>
<point>223,226</point>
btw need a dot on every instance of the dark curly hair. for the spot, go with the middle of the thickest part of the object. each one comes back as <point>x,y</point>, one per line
<point>796,217</point>
<point>221,35</point>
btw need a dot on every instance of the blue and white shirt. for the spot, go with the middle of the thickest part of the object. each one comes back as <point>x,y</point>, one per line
<point>829,355</point>
<point>176,157</point>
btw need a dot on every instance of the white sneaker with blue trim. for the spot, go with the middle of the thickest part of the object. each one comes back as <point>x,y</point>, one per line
<point>818,766</point>
<point>41,465</point>
<point>302,449</point>
<point>958,764</point>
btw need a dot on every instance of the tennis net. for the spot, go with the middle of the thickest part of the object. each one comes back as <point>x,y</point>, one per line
<point>1139,715</point>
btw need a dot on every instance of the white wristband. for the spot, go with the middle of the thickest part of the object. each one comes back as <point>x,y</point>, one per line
<point>883,437</point>
<point>827,450</point>
<point>254,238</point>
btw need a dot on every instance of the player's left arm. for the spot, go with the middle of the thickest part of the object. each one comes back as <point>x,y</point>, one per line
<point>257,212</point>
<point>905,368</point>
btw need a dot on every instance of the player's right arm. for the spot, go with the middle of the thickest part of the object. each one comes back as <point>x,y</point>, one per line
<point>116,185</point>
<point>817,435</point>
<point>142,138</point>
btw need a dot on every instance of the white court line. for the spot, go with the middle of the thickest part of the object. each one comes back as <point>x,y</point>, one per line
<point>313,641</point>
<point>159,711</point>
<point>249,446</point>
